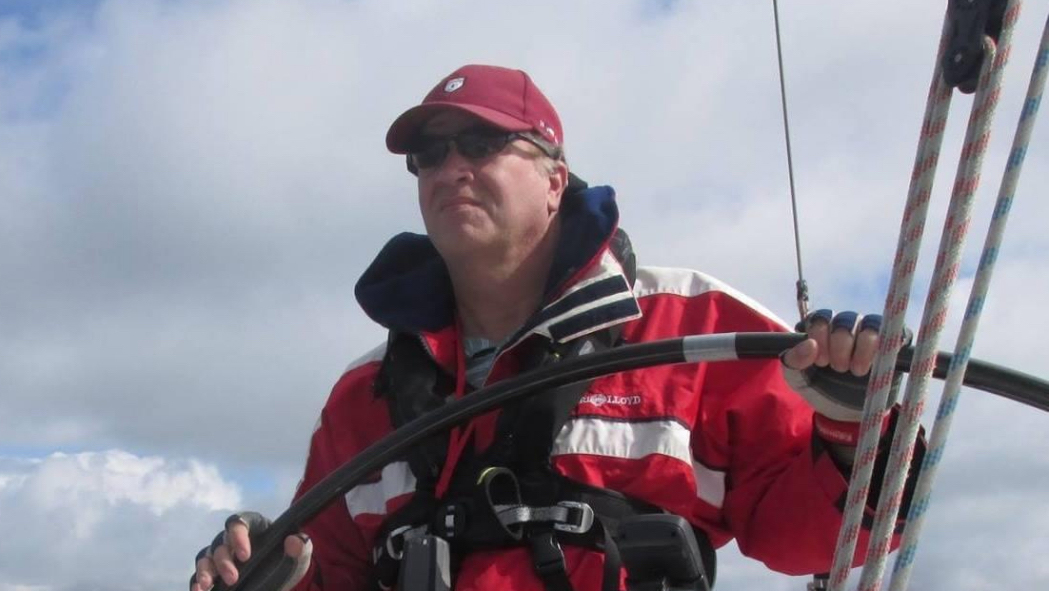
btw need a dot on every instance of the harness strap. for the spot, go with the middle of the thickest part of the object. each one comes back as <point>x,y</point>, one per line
<point>549,561</point>
<point>414,386</point>
<point>613,564</point>
<point>568,516</point>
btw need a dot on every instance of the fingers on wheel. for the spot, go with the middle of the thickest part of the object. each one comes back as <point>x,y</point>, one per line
<point>229,547</point>
<point>222,559</point>
<point>204,577</point>
<point>842,340</point>
<point>296,544</point>
<point>224,565</point>
<point>846,341</point>
<point>237,538</point>
<point>866,345</point>
<point>818,329</point>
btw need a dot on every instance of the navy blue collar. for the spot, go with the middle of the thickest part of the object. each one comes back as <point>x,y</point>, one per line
<point>407,287</point>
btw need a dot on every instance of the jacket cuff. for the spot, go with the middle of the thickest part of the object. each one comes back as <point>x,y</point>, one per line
<point>834,478</point>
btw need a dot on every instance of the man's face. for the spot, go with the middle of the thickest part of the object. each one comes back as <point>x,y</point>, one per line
<point>497,205</point>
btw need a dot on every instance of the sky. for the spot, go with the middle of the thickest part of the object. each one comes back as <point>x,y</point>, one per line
<point>189,190</point>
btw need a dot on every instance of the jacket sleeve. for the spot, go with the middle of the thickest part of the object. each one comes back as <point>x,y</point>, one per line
<point>784,493</point>
<point>340,550</point>
<point>782,497</point>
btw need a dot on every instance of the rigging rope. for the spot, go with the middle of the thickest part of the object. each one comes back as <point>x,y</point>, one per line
<point>960,359</point>
<point>933,320</point>
<point>802,288</point>
<point>945,273</point>
<point>890,338</point>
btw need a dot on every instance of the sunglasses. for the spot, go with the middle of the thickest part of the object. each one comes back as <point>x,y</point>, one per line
<point>472,144</point>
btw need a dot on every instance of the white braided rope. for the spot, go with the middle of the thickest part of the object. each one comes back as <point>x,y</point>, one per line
<point>960,359</point>
<point>933,319</point>
<point>908,245</point>
<point>932,323</point>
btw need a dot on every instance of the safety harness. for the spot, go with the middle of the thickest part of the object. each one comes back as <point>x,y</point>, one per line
<point>509,495</point>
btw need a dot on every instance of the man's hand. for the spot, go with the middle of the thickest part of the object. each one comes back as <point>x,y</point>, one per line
<point>232,547</point>
<point>830,370</point>
<point>839,342</point>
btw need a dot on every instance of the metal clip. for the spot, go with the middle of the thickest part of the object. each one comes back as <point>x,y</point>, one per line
<point>586,518</point>
<point>401,533</point>
<point>820,582</point>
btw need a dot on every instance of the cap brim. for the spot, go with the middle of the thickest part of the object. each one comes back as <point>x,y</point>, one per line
<point>405,128</point>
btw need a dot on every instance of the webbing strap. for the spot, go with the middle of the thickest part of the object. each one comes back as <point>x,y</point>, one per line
<point>549,561</point>
<point>568,516</point>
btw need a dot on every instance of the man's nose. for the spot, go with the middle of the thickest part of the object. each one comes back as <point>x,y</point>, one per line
<point>454,162</point>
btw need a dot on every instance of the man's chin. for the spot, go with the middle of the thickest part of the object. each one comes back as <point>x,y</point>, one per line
<point>464,240</point>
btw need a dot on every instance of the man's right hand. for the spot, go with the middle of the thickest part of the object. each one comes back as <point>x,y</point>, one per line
<point>232,547</point>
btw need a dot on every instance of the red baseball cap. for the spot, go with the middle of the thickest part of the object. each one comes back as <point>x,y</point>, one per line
<point>505,98</point>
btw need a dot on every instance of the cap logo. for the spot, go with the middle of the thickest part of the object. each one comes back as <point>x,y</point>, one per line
<point>547,131</point>
<point>454,84</point>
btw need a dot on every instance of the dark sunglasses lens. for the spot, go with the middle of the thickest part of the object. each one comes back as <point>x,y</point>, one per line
<point>479,145</point>
<point>431,154</point>
<point>432,151</point>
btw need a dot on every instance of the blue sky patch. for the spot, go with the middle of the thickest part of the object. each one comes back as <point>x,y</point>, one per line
<point>32,14</point>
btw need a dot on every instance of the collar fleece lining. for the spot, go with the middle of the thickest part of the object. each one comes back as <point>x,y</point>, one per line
<point>407,288</point>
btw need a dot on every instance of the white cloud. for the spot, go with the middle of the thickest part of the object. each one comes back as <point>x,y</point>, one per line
<point>83,519</point>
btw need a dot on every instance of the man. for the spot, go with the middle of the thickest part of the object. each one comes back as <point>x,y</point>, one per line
<point>522,264</point>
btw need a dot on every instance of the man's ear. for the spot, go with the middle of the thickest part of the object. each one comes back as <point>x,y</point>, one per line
<point>558,184</point>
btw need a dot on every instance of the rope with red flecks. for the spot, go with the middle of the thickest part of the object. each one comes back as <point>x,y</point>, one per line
<point>963,347</point>
<point>890,338</point>
<point>897,300</point>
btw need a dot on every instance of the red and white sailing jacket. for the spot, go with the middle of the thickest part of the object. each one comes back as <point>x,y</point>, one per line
<point>727,445</point>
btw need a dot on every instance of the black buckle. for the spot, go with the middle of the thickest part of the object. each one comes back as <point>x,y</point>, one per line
<point>968,22</point>
<point>547,556</point>
<point>579,520</point>
<point>427,565</point>
<point>450,520</point>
